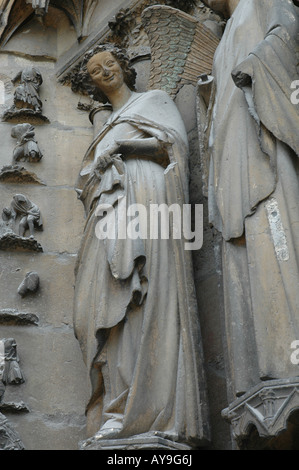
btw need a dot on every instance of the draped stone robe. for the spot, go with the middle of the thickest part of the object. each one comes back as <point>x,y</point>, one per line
<point>135,309</point>
<point>253,188</point>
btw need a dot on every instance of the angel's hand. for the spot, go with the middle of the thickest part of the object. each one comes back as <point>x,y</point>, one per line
<point>103,162</point>
<point>113,148</point>
<point>105,159</point>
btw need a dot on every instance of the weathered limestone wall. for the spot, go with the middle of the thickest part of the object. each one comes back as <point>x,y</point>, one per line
<point>208,282</point>
<point>55,387</point>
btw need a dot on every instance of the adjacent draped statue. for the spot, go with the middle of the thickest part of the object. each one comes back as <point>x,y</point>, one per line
<point>135,308</point>
<point>253,185</point>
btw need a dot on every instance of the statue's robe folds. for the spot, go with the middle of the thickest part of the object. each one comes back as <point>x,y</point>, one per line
<point>253,188</point>
<point>135,308</point>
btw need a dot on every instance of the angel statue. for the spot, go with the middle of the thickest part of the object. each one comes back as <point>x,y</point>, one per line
<point>136,315</point>
<point>253,190</point>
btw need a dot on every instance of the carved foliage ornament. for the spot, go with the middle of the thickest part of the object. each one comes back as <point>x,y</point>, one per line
<point>10,372</point>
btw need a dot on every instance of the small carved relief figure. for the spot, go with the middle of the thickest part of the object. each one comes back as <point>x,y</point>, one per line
<point>26,94</point>
<point>26,99</point>
<point>12,373</point>
<point>29,214</point>
<point>20,216</point>
<point>29,284</point>
<point>26,148</point>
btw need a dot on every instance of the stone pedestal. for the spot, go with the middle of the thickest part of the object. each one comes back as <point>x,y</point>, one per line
<point>268,408</point>
<point>148,441</point>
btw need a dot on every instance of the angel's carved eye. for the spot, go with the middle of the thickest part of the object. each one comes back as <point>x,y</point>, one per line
<point>96,71</point>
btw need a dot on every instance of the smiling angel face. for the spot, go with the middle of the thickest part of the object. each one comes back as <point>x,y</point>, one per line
<point>105,72</point>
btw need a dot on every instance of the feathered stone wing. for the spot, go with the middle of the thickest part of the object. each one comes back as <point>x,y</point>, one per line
<point>182,48</point>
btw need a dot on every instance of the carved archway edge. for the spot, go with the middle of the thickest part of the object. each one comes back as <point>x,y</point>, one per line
<point>267,407</point>
<point>13,13</point>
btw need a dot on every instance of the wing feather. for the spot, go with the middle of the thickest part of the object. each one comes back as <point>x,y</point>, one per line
<point>182,48</point>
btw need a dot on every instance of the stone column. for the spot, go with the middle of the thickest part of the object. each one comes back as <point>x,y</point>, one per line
<point>98,116</point>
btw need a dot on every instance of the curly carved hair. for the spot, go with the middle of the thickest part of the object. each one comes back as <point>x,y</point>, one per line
<point>123,60</point>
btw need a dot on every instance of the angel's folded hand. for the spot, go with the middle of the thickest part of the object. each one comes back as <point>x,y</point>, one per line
<point>103,162</point>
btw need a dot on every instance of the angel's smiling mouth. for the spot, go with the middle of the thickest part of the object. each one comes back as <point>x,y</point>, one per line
<point>110,78</point>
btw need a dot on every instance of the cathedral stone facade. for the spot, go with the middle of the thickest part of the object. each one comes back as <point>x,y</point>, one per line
<point>128,345</point>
